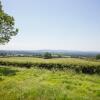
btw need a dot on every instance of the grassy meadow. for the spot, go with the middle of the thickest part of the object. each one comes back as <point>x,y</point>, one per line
<point>76,64</point>
<point>42,84</point>
<point>27,78</point>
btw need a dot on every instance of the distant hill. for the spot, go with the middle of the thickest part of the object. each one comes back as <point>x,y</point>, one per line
<point>41,52</point>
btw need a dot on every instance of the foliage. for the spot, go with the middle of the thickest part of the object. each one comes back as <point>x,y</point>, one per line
<point>3,54</point>
<point>47,55</point>
<point>78,65</point>
<point>98,56</point>
<point>7,29</point>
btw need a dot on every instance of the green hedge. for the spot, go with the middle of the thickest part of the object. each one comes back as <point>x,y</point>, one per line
<point>80,68</point>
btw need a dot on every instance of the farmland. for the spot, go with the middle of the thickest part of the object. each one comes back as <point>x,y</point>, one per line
<point>55,54</point>
<point>42,84</point>
<point>28,78</point>
<point>78,65</point>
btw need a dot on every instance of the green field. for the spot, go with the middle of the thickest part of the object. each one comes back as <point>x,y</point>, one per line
<point>28,78</point>
<point>78,65</point>
<point>41,84</point>
<point>53,60</point>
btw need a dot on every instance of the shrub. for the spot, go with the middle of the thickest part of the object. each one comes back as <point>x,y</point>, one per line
<point>86,67</point>
<point>47,55</point>
<point>98,56</point>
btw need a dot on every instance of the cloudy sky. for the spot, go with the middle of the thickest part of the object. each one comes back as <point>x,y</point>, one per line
<point>54,24</point>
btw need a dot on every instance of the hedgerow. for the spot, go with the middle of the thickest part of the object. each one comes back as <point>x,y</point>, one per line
<point>78,67</point>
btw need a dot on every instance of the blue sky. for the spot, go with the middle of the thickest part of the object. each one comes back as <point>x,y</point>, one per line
<point>54,24</point>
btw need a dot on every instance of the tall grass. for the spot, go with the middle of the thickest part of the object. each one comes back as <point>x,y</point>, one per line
<point>78,65</point>
<point>42,84</point>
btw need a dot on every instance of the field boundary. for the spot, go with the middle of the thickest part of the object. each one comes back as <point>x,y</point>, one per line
<point>79,68</point>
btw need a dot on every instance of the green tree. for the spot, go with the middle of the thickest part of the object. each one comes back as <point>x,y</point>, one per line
<point>47,55</point>
<point>7,29</point>
<point>98,56</point>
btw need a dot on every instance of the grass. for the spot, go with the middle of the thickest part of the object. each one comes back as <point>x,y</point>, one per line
<point>42,84</point>
<point>78,65</point>
<point>54,60</point>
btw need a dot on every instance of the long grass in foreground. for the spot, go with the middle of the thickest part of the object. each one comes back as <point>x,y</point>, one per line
<point>41,84</point>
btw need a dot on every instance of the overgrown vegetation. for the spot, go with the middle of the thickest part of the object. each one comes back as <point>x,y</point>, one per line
<point>78,65</point>
<point>42,84</point>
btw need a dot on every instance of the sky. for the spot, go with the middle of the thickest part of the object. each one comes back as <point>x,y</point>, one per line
<point>54,24</point>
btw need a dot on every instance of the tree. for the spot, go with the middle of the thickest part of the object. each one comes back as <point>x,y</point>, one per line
<point>47,55</point>
<point>98,56</point>
<point>7,29</point>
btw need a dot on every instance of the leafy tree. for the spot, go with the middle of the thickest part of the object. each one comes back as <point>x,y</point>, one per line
<point>3,54</point>
<point>98,56</point>
<point>47,55</point>
<point>59,55</point>
<point>7,29</point>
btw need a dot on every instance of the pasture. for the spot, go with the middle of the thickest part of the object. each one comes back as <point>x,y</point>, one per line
<point>28,78</point>
<point>42,84</point>
<point>78,65</point>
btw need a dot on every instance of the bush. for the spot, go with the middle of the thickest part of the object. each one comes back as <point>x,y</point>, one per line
<point>88,69</point>
<point>98,56</point>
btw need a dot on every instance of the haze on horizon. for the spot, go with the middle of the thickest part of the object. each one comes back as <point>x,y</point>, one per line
<point>54,24</point>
